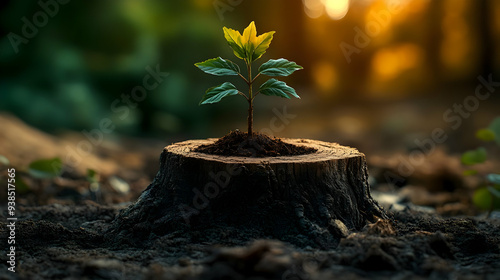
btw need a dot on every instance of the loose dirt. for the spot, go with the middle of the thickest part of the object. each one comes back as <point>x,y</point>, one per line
<point>237,143</point>
<point>69,242</point>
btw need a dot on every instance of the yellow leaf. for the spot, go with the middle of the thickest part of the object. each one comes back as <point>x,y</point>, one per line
<point>248,46</point>
<point>249,34</point>
<point>233,37</point>
<point>261,45</point>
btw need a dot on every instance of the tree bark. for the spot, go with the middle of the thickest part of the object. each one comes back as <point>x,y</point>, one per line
<point>322,195</point>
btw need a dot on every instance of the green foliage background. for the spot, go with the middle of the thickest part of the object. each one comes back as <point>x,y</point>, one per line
<point>92,52</point>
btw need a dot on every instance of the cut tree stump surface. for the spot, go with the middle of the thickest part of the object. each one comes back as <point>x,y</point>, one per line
<point>320,196</point>
<point>325,151</point>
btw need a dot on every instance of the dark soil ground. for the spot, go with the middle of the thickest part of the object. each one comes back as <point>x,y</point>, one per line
<point>68,242</point>
<point>61,231</point>
<point>237,143</point>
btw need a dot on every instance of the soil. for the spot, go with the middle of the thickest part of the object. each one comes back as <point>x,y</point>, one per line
<point>69,242</point>
<point>61,236</point>
<point>237,143</point>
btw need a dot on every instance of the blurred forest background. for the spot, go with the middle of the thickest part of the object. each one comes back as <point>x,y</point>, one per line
<point>409,83</point>
<point>408,66</point>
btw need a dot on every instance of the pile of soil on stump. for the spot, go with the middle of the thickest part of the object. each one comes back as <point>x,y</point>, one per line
<point>237,143</point>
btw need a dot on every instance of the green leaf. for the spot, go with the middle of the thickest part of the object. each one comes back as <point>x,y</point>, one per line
<point>495,191</point>
<point>470,172</point>
<point>219,67</point>
<point>484,199</point>
<point>475,156</point>
<point>274,87</point>
<point>279,67</point>
<point>495,127</point>
<point>485,135</point>
<point>91,173</point>
<point>215,94</point>
<point>45,168</point>
<point>21,186</point>
<point>4,161</point>
<point>92,176</point>
<point>494,178</point>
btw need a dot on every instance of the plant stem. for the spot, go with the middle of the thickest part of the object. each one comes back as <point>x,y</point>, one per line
<point>254,78</point>
<point>243,78</point>
<point>250,101</point>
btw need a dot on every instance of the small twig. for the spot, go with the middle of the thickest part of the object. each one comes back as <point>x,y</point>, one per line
<point>255,94</point>
<point>244,78</point>
<point>244,95</point>
<point>253,80</point>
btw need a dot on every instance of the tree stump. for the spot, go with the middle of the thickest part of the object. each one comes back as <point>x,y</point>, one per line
<point>322,195</point>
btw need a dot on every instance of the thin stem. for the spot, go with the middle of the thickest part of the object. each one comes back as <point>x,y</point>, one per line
<point>249,68</point>
<point>244,78</point>
<point>255,95</point>
<point>255,78</point>
<point>244,95</point>
<point>250,100</point>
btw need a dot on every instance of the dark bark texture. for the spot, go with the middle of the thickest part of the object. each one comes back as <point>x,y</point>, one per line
<point>322,196</point>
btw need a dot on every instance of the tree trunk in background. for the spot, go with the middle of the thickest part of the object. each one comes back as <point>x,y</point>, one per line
<point>486,35</point>
<point>433,42</point>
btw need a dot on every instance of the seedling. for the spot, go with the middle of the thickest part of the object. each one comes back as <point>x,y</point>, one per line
<point>248,47</point>
<point>38,170</point>
<point>487,196</point>
<point>45,168</point>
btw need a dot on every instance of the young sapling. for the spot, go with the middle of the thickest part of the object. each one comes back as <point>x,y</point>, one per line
<point>248,47</point>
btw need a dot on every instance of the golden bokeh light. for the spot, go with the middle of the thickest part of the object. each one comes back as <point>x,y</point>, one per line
<point>325,77</point>
<point>455,46</point>
<point>397,44</point>
<point>388,63</point>
<point>336,9</point>
<point>313,8</point>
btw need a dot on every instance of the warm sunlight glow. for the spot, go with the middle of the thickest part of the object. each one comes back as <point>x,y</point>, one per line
<point>313,8</point>
<point>455,45</point>
<point>336,9</point>
<point>390,62</point>
<point>325,76</point>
